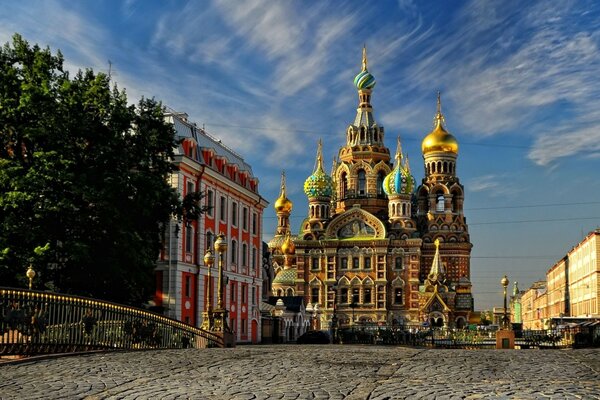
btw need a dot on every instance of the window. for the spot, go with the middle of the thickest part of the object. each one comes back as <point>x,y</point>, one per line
<point>244,294</point>
<point>355,295</point>
<point>253,295</point>
<point>209,240</point>
<point>189,238</point>
<point>344,263</point>
<point>232,292</point>
<point>254,224</point>
<point>398,262</point>
<point>314,295</point>
<point>243,326</point>
<point>380,178</point>
<point>254,258</point>
<point>362,181</point>
<point>314,263</point>
<point>188,286</point>
<point>397,295</point>
<point>355,262</point>
<point>210,202</point>
<point>245,218</point>
<point>244,254</point>
<point>234,215</point>
<point>367,296</point>
<point>440,203</point>
<point>190,187</point>
<point>223,208</point>
<point>343,185</point>
<point>344,296</point>
<point>367,262</point>
<point>234,251</point>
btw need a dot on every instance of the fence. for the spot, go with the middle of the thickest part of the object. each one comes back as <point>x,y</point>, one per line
<point>33,322</point>
<point>463,338</point>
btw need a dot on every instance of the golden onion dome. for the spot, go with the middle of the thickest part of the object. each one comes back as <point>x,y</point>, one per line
<point>283,204</point>
<point>288,247</point>
<point>439,139</point>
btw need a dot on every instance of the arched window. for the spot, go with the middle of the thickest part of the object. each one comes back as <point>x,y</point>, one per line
<point>290,292</point>
<point>380,178</point>
<point>439,206</point>
<point>362,181</point>
<point>343,185</point>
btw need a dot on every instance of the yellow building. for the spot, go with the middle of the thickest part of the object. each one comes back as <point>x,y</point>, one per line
<point>374,248</point>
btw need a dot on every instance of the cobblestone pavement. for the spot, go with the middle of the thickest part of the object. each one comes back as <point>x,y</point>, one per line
<point>309,372</point>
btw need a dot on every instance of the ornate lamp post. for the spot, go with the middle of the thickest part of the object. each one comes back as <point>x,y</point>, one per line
<point>30,274</point>
<point>220,313</point>
<point>207,316</point>
<point>505,319</point>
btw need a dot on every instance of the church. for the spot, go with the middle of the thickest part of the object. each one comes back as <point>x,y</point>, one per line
<point>375,249</point>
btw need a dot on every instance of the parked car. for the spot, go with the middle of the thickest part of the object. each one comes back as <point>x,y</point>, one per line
<point>314,337</point>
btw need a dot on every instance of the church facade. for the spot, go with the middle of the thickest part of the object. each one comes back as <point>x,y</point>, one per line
<point>375,248</point>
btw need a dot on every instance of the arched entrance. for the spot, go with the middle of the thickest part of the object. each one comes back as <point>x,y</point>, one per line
<point>436,319</point>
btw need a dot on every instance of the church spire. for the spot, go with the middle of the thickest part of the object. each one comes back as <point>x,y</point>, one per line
<point>364,59</point>
<point>436,274</point>
<point>439,120</point>
<point>398,151</point>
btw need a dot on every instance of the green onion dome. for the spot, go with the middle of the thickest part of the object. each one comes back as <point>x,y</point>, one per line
<point>364,79</point>
<point>319,184</point>
<point>400,180</point>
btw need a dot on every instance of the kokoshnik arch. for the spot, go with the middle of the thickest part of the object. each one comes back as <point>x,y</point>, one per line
<point>374,247</point>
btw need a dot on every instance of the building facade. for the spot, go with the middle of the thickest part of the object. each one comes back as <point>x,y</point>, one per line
<point>374,248</point>
<point>234,208</point>
<point>570,292</point>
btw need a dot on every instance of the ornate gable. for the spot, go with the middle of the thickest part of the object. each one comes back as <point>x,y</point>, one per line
<point>356,224</point>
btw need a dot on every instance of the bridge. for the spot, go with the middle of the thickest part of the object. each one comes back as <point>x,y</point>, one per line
<point>34,322</point>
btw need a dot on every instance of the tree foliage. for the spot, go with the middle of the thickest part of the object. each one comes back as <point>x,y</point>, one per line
<point>82,179</point>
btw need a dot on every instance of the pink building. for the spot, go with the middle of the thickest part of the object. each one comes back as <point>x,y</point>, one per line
<point>235,209</point>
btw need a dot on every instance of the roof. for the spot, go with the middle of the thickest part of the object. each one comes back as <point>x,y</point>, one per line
<point>292,303</point>
<point>187,129</point>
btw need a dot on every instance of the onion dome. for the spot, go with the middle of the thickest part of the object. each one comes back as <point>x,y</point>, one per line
<point>364,79</point>
<point>283,204</point>
<point>319,184</point>
<point>288,247</point>
<point>439,139</point>
<point>286,277</point>
<point>400,180</point>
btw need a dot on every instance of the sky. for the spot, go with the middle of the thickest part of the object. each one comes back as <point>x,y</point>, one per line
<point>520,84</point>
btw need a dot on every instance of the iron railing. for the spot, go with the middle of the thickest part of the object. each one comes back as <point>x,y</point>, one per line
<point>34,322</point>
<point>461,338</point>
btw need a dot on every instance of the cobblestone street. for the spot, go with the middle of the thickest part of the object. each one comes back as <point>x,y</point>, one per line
<point>308,372</point>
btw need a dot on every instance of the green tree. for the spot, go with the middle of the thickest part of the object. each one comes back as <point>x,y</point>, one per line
<point>83,176</point>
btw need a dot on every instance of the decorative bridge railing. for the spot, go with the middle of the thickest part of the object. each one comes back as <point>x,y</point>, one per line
<point>33,322</point>
<point>462,338</point>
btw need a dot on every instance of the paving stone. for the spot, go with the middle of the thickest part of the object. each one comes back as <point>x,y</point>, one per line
<point>308,372</point>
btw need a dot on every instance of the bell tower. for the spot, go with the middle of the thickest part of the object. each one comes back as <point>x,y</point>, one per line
<point>440,200</point>
<point>365,160</point>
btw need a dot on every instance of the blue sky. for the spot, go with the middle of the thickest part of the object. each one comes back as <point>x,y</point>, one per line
<point>520,85</point>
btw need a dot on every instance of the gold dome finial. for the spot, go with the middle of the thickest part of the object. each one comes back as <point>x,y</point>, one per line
<point>319,165</point>
<point>398,151</point>
<point>439,140</point>
<point>364,58</point>
<point>437,244</point>
<point>283,204</point>
<point>288,247</point>
<point>406,164</point>
<point>439,119</point>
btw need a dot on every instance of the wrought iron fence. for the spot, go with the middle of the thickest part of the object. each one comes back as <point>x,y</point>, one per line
<point>462,338</point>
<point>33,322</point>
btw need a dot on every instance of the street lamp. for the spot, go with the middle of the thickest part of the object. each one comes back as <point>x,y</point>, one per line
<point>208,317</point>
<point>30,274</point>
<point>505,319</point>
<point>221,313</point>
